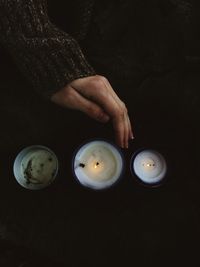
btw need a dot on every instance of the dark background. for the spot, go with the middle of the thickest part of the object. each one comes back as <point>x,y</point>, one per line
<point>69,225</point>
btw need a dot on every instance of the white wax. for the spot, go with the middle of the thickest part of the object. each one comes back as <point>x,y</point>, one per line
<point>98,164</point>
<point>150,166</point>
<point>39,166</point>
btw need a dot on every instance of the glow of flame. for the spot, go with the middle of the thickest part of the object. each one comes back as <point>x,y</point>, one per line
<point>96,165</point>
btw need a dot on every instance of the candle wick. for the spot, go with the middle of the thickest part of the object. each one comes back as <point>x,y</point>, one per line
<point>82,165</point>
<point>97,163</point>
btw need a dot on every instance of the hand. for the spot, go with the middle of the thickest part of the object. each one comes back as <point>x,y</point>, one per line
<point>94,96</point>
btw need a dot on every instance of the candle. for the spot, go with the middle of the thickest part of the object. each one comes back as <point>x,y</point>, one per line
<point>98,164</point>
<point>35,167</point>
<point>149,166</point>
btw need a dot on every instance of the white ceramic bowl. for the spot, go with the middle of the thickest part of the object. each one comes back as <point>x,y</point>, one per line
<point>149,167</point>
<point>109,171</point>
<point>35,167</point>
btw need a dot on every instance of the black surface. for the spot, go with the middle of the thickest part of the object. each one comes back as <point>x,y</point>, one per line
<point>128,223</point>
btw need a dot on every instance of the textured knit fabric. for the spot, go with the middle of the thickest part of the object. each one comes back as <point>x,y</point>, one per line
<point>47,56</point>
<point>50,57</point>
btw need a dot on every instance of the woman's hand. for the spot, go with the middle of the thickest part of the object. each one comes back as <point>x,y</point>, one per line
<point>94,96</point>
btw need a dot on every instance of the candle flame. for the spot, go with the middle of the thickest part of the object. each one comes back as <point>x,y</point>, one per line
<point>149,164</point>
<point>96,165</point>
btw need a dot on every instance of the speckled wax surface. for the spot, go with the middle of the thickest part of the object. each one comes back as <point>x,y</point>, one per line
<point>39,166</point>
<point>35,167</point>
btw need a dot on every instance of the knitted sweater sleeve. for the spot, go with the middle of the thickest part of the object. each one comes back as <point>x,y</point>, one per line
<point>48,57</point>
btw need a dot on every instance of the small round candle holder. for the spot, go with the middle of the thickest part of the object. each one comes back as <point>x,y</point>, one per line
<point>98,164</point>
<point>148,167</point>
<point>35,167</point>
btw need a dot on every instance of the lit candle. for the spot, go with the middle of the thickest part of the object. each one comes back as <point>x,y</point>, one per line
<point>35,167</point>
<point>149,166</point>
<point>98,164</point>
